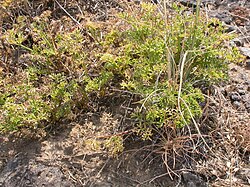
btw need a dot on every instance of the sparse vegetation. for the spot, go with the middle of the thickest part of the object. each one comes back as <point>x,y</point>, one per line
<point>140,80</point>
<point>159,60</point>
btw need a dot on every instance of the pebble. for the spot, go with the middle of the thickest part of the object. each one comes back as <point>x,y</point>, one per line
<point>241,92</point>
<point>230,29</point>
<point>247,105</point>
<point>233,69</point>
<point>237,104</point>
<point>236,42</point>
<point>192,180</point>
<point>245,51</point>
<point>248,64</point>
<point>224,17</point>
<point>189,3</point>
<point>235,96</point>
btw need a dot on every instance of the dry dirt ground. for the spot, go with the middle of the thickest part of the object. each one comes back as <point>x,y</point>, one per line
<point>65,159</point>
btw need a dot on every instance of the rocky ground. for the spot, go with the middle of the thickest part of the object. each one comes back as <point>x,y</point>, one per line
<point>62,159</point>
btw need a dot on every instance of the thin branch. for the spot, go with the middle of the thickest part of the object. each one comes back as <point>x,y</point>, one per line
<point>67,12</point>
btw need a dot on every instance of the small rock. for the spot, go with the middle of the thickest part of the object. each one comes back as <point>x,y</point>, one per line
<point>235,96</point>
<point>248,64</point>
<point>230,29</point>
<point>188,3</point>
<point>233,69</point>
<point>224,17</point>
<point>247,105</point>
<point>202,104</point>
<point>236,42</point>
<point>193,180</point>
<point>241,92</point>
<point>245,51</point>
<point>237,104</point>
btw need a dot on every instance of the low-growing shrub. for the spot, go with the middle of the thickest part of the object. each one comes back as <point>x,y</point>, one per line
<point>156,56</point>
<point>161,60</point>
<point>25,105</point>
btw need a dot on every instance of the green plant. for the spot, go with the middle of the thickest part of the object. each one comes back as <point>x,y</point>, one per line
<point>24,105</point>
<point>158,56</point>
<point>55,70</point>
<point>114,145</point>
<point>21,106</point>
<point>47,84</point>
<point>161,58</point>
